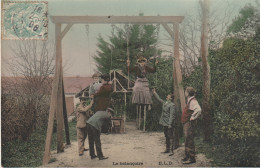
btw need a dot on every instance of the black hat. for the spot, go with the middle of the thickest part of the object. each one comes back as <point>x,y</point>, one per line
<point>83,99</point>
<point>106,77</point>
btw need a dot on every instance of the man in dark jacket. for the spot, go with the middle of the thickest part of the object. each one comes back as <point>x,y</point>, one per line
<point>94,124</point>
<point>102,96</point>
<point>102,100</point>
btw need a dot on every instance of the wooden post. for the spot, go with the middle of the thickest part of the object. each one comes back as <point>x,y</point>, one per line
<point>65,117</point>
<point>59,109</point>
<point>53,104</point>
<point>178,110</point>
<point>137,116</point>
<point>178,65</point>
<point>115,81</point>
<point>144,117</point>
<point>176,93</point>
<point>178,89</point>
<point>66,124</point>
<point>140,116</point>
<point>125,112</point>
<point>54,97</point>
<point>60,119</point>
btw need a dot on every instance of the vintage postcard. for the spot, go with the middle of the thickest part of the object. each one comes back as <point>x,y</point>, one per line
<point>130,83</point>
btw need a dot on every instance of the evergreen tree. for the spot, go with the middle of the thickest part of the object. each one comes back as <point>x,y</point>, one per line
<point>112,54</point>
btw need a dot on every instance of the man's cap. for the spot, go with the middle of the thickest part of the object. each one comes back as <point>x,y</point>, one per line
<point>110,109</point>
<point>83,99</point>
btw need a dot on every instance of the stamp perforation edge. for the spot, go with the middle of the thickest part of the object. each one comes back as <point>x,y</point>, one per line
<point>2,22</point>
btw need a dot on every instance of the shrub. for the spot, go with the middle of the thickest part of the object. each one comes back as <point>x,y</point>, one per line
<point>235,74</point>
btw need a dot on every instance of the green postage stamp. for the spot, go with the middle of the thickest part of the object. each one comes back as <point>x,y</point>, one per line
<point>25,20</point>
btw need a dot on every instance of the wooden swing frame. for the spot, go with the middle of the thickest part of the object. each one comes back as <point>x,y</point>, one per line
<point>58,105</point>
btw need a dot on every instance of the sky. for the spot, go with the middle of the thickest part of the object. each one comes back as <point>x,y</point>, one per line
<point>78,46</point>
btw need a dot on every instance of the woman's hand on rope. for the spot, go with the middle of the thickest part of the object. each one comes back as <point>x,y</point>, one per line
<point>128,62</point>
<point>153,90</point>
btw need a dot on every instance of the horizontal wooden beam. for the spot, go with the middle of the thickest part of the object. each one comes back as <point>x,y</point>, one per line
<point>116,19</point>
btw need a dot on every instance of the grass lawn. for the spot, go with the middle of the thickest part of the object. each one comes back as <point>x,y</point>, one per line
<point>19,153</point>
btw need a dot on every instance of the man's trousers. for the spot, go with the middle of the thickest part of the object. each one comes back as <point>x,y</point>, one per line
<point>170,141</point>
<point>94,138</point>
<point>189,128</point>
<point>82,134</point>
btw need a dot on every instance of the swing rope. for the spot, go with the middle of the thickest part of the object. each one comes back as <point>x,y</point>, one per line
<point>111,52</point>
<point>87,32</point>
<point>127,52</point>
<point>157,34</point>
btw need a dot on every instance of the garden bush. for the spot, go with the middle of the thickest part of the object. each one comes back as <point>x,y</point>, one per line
<point>235,95</point>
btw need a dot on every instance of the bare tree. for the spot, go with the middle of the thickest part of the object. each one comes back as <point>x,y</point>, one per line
<point>190,32</point>
<point>206,71</point>
<point>29,87</point>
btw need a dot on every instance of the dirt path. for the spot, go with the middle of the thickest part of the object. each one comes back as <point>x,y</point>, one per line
<point>134,147</point>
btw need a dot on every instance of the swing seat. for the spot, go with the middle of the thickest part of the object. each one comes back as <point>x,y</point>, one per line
<point>117,124</point>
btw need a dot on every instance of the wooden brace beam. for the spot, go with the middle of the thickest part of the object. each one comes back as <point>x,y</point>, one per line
<point>168,29</point>
<point>66,29</point>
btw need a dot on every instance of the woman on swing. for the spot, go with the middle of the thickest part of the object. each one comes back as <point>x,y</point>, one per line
<point>141,92</point>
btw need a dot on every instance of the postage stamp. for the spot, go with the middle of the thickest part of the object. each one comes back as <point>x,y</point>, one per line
<point>25,20</point>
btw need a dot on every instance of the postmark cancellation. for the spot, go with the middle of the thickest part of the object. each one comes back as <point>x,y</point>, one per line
<point>24,20</point>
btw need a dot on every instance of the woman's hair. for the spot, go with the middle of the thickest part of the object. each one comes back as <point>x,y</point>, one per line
<point>191,91</point>
<point>96,74</point>
<point>141,59</point>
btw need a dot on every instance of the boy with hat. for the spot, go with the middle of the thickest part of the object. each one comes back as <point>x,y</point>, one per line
<point>83,114</point>
<point>168,120</point>
<point>94,87</point>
